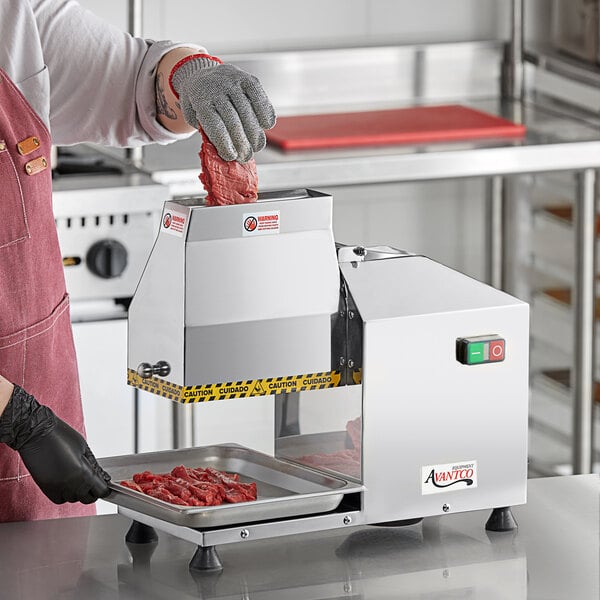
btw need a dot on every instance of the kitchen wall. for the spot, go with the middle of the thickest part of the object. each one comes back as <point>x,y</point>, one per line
<point>239,25</point>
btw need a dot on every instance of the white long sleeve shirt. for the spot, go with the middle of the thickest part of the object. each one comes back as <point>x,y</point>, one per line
<point>87,80</point>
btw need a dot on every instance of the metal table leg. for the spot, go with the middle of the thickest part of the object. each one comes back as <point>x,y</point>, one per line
<point>514,69</point>
<point>495,232</point>
<point>513,90</point>
<point>584,321</point>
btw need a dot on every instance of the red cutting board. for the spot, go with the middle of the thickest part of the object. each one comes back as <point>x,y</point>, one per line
<point>415,125</point>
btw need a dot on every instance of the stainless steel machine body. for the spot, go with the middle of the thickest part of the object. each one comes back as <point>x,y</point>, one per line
<point>424,411</point>
<point>409,380</point>
<point>223,299</point>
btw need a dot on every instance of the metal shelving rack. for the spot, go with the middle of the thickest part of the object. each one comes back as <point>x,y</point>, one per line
<point>556,140</point>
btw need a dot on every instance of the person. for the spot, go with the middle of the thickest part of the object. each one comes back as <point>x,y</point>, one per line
<point>67,77</point>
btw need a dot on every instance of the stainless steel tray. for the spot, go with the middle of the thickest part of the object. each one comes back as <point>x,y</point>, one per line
<point>284,489</point>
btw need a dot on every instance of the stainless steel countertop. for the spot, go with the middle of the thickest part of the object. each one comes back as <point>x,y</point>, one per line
<point>131,191</point>
<point>554,554</point>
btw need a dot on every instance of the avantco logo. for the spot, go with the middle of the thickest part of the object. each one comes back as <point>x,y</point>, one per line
<point>436,479</point>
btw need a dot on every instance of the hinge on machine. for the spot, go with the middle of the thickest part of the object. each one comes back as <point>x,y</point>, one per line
<point>346,338</point>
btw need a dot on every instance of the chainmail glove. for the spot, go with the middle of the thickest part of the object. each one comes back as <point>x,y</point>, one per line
<point>57,457</point>
<point>229,104</point>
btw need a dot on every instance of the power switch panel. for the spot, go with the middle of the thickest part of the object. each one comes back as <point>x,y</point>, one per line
<point>480,349</point>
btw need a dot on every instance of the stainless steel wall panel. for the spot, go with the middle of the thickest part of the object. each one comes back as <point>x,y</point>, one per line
<point>156,314</point>
<point>257,349</point>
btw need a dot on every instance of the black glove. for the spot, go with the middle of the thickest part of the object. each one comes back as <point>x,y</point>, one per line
<point>57,457</point>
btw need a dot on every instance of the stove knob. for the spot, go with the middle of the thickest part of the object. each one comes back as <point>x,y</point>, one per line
<point>107,258</point>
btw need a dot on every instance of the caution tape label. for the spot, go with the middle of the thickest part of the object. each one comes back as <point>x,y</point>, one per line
<point>237,389</point>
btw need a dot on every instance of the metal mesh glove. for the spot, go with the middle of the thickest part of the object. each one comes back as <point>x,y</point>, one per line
<point>229,104</point>
<point>58,458</point>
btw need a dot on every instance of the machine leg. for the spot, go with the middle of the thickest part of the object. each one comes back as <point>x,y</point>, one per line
<point>501,519</point>
<point>141,534</point>
<point>206,559</point>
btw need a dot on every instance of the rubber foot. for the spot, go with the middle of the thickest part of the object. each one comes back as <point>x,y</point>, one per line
<point>501,519</point>
<point>141,534</point>
<point>206,559</point>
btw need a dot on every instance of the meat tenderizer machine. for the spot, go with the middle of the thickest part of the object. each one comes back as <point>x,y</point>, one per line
<point>399,386</point>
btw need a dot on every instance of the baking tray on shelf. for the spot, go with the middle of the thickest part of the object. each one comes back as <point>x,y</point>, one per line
<point>552,320</point>
<point>551,407</point>
<point>553,246</point>
<point>284,489</point>
<point>557,383</point>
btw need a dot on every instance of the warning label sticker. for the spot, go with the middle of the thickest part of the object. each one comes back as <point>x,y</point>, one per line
<point>260,223</point>
<point>236,389</point>
<point>173,223</point>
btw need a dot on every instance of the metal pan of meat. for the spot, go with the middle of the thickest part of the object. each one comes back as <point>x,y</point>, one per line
<point>283,489</point>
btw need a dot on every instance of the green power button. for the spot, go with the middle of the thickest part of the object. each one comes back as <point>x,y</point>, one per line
<point>475,353</point>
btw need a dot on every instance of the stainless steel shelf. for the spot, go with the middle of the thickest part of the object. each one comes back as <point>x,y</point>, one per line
<point>554,142</point>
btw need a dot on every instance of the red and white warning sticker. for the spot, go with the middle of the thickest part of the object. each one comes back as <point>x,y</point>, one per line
<point>261,223</point>
<point>173,222</point>
<point>449,477</point>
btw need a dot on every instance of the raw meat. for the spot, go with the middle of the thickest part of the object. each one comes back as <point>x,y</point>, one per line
<point>343,461</point>
<point>193,487</point>
<point>346,462</point>
<point>354,430</point>
<point>226,182</point>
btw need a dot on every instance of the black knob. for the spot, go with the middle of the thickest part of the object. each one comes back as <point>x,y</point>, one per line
<point>107,258</point>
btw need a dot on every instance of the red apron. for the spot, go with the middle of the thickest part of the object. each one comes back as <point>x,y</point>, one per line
<point>36,341</point>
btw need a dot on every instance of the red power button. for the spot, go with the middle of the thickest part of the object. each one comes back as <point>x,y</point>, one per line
<point>496,350</point>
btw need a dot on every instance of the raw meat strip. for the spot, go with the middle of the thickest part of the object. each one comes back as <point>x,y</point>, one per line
<point>132,485</point>
<point>193,487</point>
<point>226,182</point>
<point>163,494</point>
<point>232,490</point>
